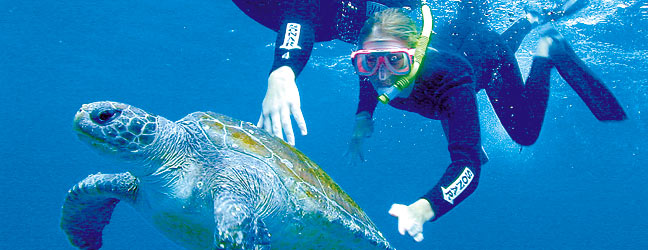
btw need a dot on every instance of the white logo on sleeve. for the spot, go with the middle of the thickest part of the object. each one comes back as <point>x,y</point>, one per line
<point>458,186</point>
<point>291,39</point>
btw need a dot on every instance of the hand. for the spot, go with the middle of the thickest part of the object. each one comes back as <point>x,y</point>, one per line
<point>281,101</point>
<point>412,217</point>
<point>362,129</point>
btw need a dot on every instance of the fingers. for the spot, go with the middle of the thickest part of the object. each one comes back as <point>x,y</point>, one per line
<point>278,123</point>
<point>414,229</point>
<point>406,223</point>
<point>275,117</point>
<point>282,100</point>
<point>402,226</point>
<point>418,237</point>
<point>396,210</point>
<point>264,123</point>
<point>260,122</point>
<point>354,153</point>
<point>299,118</point>
<point>287,126</point>
<point>267,124</point>
<point>358,147</point>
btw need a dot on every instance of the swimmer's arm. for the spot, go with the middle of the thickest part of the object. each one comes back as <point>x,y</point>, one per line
<point>464,145</point>
<point>293,47</point>
<point>363,126</point>
<point>368,98</point>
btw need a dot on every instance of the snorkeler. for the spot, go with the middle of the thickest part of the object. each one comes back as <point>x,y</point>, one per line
<point>386,61</point>
<point>439,85</point>
<point>299,24</point>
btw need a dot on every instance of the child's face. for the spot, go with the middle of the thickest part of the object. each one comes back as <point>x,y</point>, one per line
<point>383,78</point>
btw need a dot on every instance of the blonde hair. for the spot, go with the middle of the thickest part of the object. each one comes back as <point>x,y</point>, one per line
<point>393,22</point>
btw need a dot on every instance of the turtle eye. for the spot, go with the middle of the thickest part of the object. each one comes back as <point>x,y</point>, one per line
<point>105,116</point>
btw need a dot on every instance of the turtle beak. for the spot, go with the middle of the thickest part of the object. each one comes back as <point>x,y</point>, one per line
<point>80,115</point>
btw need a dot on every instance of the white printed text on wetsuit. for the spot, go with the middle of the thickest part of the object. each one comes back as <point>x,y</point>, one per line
<point>458,186</point>
<point>291,38</point>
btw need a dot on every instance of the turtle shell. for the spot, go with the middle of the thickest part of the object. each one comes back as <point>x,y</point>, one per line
<point>311,180</point>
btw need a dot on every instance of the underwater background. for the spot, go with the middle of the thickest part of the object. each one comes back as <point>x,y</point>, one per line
<point>581,186</point>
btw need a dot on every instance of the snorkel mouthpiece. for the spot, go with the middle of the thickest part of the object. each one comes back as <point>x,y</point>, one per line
<point>421,48</point>
<point>394,90</point>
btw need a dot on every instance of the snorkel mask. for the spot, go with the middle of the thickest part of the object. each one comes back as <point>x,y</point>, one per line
<point>401,62</point>
<point>368,62</point>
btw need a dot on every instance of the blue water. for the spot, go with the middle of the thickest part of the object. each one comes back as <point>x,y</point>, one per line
<point>581,186</point>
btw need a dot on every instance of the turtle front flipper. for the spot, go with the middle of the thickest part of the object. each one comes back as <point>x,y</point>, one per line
<point>89,205</point>
<point>238,228</point>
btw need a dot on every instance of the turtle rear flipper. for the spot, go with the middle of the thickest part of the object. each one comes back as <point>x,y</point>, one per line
<point>89,205</point>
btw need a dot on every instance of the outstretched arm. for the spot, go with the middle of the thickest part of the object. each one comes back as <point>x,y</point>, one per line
<point>363,127</point>
<point>462,175</point>
<point>293,47</point>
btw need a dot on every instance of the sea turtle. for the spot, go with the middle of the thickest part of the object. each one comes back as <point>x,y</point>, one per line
<point>209,181</point>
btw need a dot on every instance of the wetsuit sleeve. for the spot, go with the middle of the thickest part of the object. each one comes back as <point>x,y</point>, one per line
<point>462,175</point>
<point>296,35</point>
<point>368,99</point>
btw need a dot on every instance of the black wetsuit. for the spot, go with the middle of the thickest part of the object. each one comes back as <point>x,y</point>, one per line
<point>444,90</point>
<point>519,105</point>
<point>301,23</point>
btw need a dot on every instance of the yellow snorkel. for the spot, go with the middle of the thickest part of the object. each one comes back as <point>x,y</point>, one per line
<point>421,47</point>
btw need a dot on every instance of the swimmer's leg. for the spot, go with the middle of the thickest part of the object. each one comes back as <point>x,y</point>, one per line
<point>520,106</point>
<point>587,85</point>
<point>514,35</point>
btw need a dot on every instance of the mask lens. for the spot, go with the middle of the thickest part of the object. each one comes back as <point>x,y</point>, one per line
<point>398,62</point>
<point>367,63</point>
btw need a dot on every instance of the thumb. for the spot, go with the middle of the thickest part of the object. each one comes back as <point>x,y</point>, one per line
<point>396,209</point>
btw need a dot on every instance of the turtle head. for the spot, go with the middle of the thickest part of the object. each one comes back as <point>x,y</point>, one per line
<point>117,129</point>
